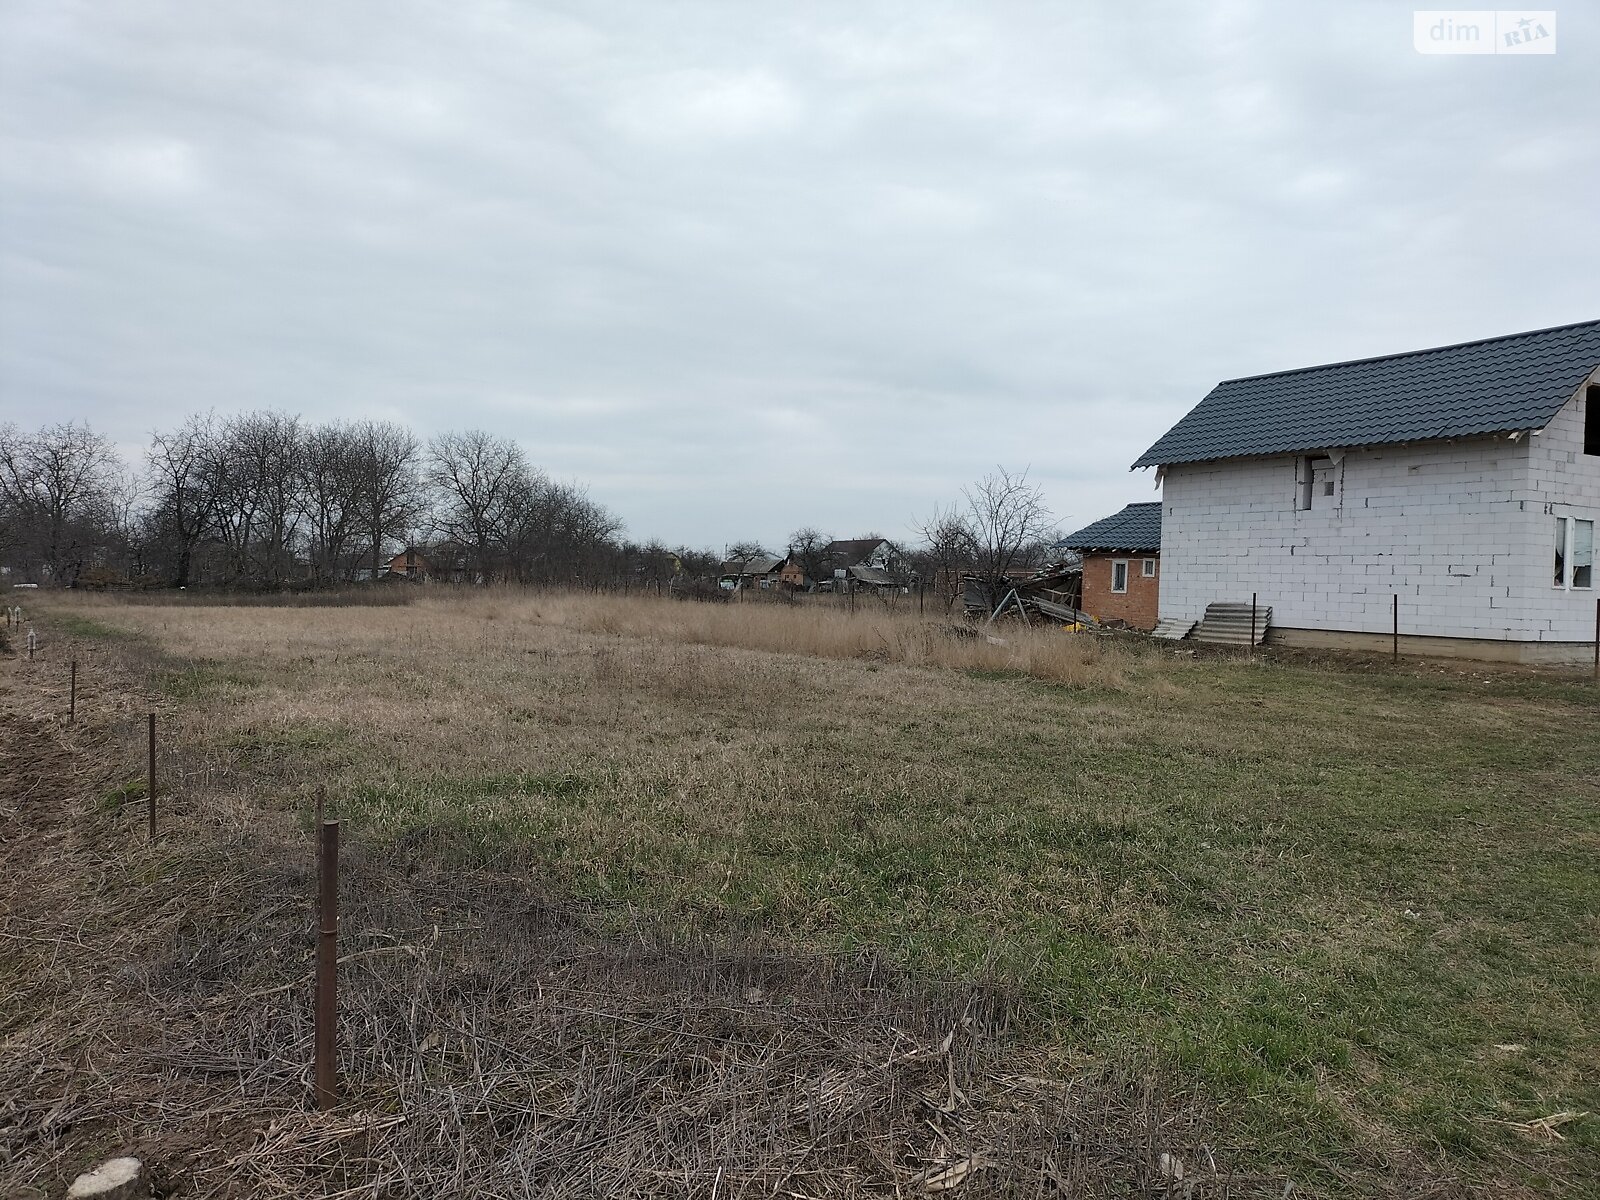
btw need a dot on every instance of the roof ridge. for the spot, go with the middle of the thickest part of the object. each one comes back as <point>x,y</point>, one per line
<point>1351,362</point>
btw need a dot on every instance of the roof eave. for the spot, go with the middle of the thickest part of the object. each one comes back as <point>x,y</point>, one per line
<point>1296,451</point>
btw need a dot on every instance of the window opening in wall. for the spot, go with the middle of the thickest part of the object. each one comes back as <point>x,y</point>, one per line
<point>1317,482</point>
<point>1149,569</point>
<point>1119,576</point>
<point>1591,421</point>
<point>1574,553</point>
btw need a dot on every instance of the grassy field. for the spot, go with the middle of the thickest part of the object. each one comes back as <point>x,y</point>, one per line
<point>1355,908</point>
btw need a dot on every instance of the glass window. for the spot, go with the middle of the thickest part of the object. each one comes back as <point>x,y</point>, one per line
<point>1149,568</point>
<point>1119,576</point>
<point>1582,554</point>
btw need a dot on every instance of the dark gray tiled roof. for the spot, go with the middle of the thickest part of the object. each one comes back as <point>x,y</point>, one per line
<point>850,552</point>
<point>1137,527</point>
<point>1494,386</point>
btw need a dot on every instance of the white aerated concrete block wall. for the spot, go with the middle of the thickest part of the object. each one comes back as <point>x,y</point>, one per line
<point>1463,531</point>
<point>1563,481</point>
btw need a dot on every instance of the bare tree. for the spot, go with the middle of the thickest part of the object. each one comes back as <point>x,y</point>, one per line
<point>254,471</point>
<point>182,511</point>
<point>948,549</point>
<point>385,458</point>
<point>745,551</point>
<point>476,475</point>
<point>553,531</point>
<point>807,547</point>
<point>1006,516</point>
<point>330,498</point>
<point>58,491</point>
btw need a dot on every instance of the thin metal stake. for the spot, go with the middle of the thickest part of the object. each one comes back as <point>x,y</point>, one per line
<point>1252,624</point>
<point>1597,639</point>
<point>150,789</point>
<point>327,965</point>
<point>72,695</point>
<point>1395,652</point>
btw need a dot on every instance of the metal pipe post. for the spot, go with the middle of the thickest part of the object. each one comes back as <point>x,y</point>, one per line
<point>1395,647</point>
<point>150,790</point>
<point>327,965</point>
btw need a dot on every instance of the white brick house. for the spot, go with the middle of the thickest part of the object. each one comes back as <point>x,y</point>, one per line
<point>1464,479</point>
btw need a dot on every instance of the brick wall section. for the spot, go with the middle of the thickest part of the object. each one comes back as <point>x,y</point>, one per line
<point>1138,606</point>
<point>1463,531</point>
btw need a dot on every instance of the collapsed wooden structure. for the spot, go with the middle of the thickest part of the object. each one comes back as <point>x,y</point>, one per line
<point>1052,594</point>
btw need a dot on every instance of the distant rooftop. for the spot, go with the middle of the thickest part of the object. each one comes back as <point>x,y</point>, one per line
<point>1497,385</point>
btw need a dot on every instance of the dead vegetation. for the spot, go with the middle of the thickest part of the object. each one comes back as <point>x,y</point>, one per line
<point>875,629</point>
<point>643,887</point>
<point>495,1042</point>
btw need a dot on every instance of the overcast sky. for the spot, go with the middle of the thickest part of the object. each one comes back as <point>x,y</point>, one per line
<point>747,266</point>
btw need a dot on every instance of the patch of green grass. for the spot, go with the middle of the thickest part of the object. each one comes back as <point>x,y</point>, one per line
<point>117,795</point>
<point>80,626</point>
<point>203,681</point>
<point>474,819</point>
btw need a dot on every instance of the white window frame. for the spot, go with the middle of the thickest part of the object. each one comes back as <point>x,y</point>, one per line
<point>1147,569</point>
<point>1115,563</point>
<point>1568,540</point>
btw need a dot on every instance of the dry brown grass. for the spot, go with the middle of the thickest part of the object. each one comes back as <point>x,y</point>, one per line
<point>819,627</point>
<point>1318,899</point>
<point>499,1038</point>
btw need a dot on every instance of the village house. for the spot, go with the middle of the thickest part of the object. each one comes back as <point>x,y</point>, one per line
<point>410,564</point>
<point>749,572</point>
<point>862,564</point>
<point>878,553</point>
<point>792,576</point>
<point>1464,479</point>
<point>1121,557</point>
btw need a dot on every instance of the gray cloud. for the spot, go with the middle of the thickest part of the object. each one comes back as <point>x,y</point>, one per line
<point>744,267</point>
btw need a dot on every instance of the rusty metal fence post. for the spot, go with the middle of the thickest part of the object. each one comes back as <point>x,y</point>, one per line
<point>150,788</point>
<point>327,964</point>
<point>1597,639</point>
<point>1253,624</point>
<point>1394,652</point>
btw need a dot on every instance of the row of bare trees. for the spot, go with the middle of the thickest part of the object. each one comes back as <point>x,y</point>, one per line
<point>266,498</point>
<point>63,492</point>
